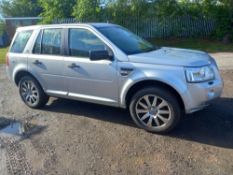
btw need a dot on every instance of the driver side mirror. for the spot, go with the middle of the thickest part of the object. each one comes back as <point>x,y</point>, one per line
<point>96,55</point>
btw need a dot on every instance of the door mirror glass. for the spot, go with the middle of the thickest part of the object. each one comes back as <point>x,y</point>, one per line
<point>100,55</point>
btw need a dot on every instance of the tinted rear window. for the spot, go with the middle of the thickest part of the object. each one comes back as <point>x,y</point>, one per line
<point>20,41</point>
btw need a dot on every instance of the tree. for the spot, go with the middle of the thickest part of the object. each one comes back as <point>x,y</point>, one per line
<point>88,10</point>
<point>219,10</point>
<point>168,8</point>
<point>19,8</point>
<point>56,9</point>
<point>118,10</point>
<point>143,8</point>
<point>223,13</point>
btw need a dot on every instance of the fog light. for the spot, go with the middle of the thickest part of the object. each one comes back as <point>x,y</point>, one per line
<point>211,94</point>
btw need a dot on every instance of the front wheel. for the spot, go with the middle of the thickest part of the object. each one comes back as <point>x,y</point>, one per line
<point>31,92</point>
<point>155,110</point>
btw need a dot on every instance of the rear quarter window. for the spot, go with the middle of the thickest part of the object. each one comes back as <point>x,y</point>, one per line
<point>20,41</point>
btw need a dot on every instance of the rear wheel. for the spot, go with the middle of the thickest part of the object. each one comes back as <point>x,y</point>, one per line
<point>155,110</point>
<point>31,92</point>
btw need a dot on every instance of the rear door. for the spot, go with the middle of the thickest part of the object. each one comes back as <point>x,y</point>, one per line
<point>46,60</point>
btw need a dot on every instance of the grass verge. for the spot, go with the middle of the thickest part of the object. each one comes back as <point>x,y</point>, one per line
<point>3,54</point>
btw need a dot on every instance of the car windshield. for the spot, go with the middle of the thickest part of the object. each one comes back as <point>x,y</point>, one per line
<point>126,40</point>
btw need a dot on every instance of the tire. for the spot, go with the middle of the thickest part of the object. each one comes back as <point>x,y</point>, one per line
<point>155,110</point>
<point>32,93</point>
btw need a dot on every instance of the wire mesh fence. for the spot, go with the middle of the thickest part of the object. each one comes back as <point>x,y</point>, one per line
<point>180,27</point>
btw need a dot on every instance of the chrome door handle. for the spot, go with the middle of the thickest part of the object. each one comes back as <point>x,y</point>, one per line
<point>37,62</point>
<point>73,65</point>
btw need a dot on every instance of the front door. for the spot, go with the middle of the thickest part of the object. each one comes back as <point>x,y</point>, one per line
<point>94,81</point>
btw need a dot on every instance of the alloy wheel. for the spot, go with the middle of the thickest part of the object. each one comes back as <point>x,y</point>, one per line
<point>153,111</point>
<point>29,92</point>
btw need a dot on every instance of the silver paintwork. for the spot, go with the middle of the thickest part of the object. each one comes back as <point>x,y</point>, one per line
<point>108,82</point>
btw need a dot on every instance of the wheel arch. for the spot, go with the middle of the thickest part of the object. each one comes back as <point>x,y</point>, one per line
<point>149,83</point>
<point>22,73</point>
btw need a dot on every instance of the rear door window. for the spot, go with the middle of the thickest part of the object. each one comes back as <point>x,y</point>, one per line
<point>51,42</point>
<point>20,41</point>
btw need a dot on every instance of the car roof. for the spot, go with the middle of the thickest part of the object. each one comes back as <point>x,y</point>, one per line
<point>96,25</point>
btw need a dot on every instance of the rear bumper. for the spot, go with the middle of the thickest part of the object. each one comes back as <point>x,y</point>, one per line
<point>200,95</point>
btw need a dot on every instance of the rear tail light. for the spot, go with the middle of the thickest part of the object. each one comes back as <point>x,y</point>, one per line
<point>7,59</point>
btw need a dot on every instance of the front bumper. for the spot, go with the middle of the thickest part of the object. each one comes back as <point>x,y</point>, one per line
<point>199,95</point>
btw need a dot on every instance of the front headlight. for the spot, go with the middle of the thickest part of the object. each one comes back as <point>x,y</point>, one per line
<point>199,74</point>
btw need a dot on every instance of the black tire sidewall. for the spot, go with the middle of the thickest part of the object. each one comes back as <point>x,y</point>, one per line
<point>164,94</point>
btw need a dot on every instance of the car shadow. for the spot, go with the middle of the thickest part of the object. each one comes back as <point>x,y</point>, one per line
<point>90,110</point>
<point>212,126</point>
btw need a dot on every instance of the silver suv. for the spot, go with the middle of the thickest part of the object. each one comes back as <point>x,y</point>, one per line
<point>109,65</point>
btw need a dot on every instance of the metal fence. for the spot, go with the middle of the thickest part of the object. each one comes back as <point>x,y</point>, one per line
<point>180,27</point>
